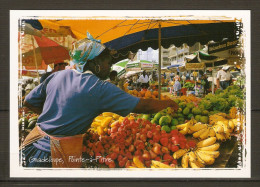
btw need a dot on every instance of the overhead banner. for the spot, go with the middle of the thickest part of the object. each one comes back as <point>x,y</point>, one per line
<point>221,46</point>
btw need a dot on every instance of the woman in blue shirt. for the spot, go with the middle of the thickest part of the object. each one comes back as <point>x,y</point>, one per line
<point>69,100</point>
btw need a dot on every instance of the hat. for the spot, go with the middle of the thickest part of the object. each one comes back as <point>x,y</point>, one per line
<point>225,67</point>
<point>85,50</point>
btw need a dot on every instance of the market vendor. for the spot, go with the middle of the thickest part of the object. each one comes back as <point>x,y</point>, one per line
<point>223,78</point>
<point>68,108</point>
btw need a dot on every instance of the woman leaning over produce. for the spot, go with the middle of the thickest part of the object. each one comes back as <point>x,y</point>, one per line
<point>69,100</point>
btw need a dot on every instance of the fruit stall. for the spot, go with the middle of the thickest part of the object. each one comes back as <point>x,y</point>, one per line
<point>203,133</point>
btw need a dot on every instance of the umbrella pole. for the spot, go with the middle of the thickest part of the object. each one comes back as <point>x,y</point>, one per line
<point>212,87</point>
<point>35,59</point>
<point>160,61</point>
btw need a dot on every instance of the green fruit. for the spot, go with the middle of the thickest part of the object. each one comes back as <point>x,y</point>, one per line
<point>169,117</point>
<point>180,115</point>
<point>204,119</point>
<point>155,121</point>
<point>157,116</point>
<point>166,128</point>
<point>182,105</point>
<point>205,112</point>
<point>32,124</point>
<point>173,127</point>
<point>176,101</point>
<point>196,111</point>
<point>146,116</point>
<point>186,111</point>
<point>197,117</point>
<point>32,119</point>
<point>181,120</point>
<point>179,110</point>
<point>23,121</point>
<point>190,105</point>
<point>174,122</point>
<point>190,116</point>
<point>175,115</point>
<point>164,120</point>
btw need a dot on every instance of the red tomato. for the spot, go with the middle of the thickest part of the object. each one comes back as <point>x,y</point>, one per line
<point>143,137</point>
<point>174,161</point>
<point>152,154</point>
<point>167,157</point>
<point>131,148</point>
<point>156,149</point>
<point>112,164</point>
<point>167,163</point>
<point>174,132</point>
<point>182,145</point>
<point>192,143</point>
<point>175,140</point>
<point>126,121</point>
<point>148,163</point>
<point>158,159</point>
<point>164,141</point>
<point>149,134</point>
<point>174,148</point>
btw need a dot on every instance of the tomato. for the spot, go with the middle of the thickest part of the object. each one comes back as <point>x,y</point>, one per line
<point>167,157</point>
<point>108,131</point>
<point>151,142</point>
<point>121,163</point>
<point>112,164</point>
<point>192,143</point>
<point>152,154</point>
<point>131,148</point>
<point>138,152</point>
<point>156,138</point>
<point>149,134</point>
<point>146,155</point>
<point>164,141</point>
<point>158,159</point>
<point>175,140</point>
<point>128,164</point>
<point>165,150</point>
<point>173,165</point>
<point>134,131</point>
<point>156,149</point>
<point>182,145</point>
<point>167,163</point>
<point>148,163</point>
<point>126,121</point>
<point>174,161</point>
<point>113,156</point>
<point>174,132</point>
<point>143,137</point>
<point>114,129</point>
<point>174,148</point>
<point>139,120</point>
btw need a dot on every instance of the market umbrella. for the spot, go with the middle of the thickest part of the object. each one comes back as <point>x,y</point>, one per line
<point>120,67</point>
<point>124,34</point>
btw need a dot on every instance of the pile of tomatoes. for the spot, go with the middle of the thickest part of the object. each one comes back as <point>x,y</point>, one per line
<point>130,138</point>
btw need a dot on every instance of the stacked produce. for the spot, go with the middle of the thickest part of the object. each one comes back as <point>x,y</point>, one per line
<point>101,123</point>
<point>220,126</point>
<point>27,119</point>
<point>202,154</point>
<point>147,94</point>
<point>135,143</point>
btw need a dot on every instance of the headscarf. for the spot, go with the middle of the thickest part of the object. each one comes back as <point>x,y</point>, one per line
<point>85,50</point>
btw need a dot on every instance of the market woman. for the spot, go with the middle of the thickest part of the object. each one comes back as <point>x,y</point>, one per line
<point>69,100</point>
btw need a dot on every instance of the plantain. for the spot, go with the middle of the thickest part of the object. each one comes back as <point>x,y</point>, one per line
<point>158,164</point>
<point>209,160</point>
<point>220,137</point>
<point>197,127</point>
<point>212,132</point>
<point>197,134</point>
<point>185,160</point>
<point>205,134</point>
<point>179,153</point>
<point>213,147</point>
<point>214,154</point>
<point>206,142</point>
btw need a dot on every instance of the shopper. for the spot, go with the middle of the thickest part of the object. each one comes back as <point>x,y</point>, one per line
<point>144,80</point>
<point>223,78</point>
<point>69,100</point>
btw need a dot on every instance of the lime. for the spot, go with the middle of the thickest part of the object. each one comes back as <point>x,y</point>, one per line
<point>174,122</point>
<point>166,128</point>
<point>186,111</point>
<point>197,117</point>
<point>173,127</point>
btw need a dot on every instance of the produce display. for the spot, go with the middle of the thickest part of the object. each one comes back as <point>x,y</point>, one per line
<point>27,119</point>
<point>202,154</point>
<point>147,94</point>
<point>136,143</point>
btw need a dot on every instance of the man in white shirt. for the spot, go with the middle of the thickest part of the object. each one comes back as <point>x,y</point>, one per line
<point>144,80</point>
<point>223,78</point>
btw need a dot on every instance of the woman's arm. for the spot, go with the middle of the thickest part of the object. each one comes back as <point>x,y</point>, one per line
<point>149,106</point>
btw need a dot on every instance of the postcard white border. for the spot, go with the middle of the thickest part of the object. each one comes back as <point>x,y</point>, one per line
<point>17,171</point>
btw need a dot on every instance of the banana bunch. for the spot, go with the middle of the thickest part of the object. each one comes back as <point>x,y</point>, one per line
<point>204,154</point>
<point>157,164</point>
<point>219,127</point>
<point>185,128</point>
<point>101,123</point>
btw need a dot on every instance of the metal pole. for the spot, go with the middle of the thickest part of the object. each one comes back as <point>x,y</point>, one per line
<point>212,87</point>
<point>160,61</point>
<point>35,59</point>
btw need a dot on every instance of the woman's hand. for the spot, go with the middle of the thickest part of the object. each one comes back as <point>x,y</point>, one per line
<point>150,106</point>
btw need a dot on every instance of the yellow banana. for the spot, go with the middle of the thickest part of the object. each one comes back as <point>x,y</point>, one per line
<point>116,116</point>
<point>205,134</point>
<point>158,164</point>
<point>197,134</point>
<point>197,127</point>
<point>220,137</point>
<point>214,154</point>
<point>99,118</point>
<point>209,160</point>
<point>231,126</point>
<point>207,142</point>
<point>179,153</point>
<point>193,164</point>
<point>220,129</point>
<point>192,156</point>
<point>182,126</point>
<point>107,114</point>
<point>185,130</point>
<point>106,121</point>
<point>212,132</point>
<point>200,162</point>
<point>185,160</point>
<point>213,147</point>
<point>138,163</point>
<point>227,136</point>
<point>95,124</point>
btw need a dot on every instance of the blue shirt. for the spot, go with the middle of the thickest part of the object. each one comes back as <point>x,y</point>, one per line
<point>177,86</point>
<point>71,100</point>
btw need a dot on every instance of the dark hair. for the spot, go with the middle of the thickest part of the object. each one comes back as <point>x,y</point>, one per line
<point>103,55</point>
